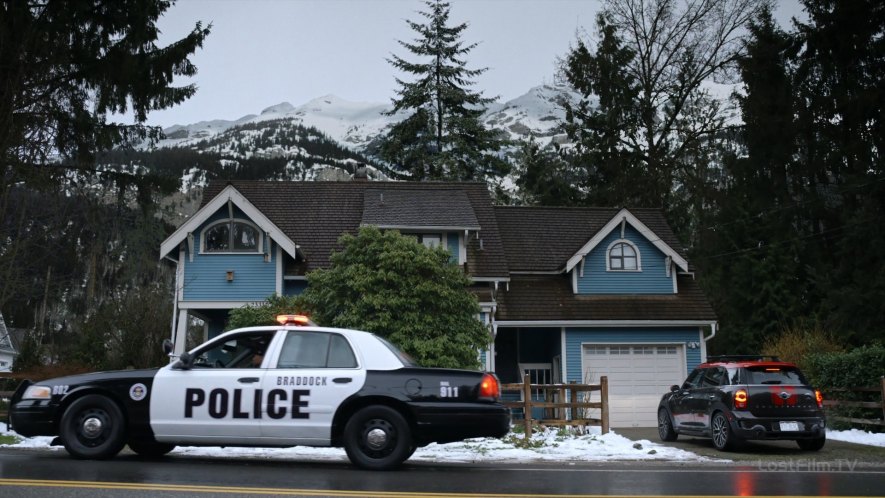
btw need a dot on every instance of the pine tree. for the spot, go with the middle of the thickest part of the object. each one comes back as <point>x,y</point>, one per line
<point>609,172</point>
<point>443,137</point>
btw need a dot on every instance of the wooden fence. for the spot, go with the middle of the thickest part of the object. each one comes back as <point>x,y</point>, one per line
<point>857,404</point>
<point>562,403</point>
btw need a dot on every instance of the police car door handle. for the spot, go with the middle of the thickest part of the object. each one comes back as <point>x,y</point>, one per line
<point>248,380</point>
<point>342,380</point>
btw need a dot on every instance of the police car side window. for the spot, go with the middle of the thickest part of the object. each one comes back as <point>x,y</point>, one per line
<point>241,351</point>
<point>316,350</point>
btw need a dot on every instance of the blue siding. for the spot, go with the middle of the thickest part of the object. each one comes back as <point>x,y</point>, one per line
<point>205,278</point>
<point>652,279</point>
<point>574,337</point>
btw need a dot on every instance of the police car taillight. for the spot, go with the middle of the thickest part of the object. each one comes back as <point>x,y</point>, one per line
<point>293,320</point>
<point>819,397</point>
<point>489,388</point>
<point>740,399</point>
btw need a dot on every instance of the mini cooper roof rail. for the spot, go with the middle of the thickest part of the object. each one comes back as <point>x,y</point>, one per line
<point>724,358</point>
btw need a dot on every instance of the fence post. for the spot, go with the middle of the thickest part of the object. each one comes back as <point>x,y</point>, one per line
<point>882,381</point>
<point>527,397</point>
<point>603,383</point>
<point>573,398</point>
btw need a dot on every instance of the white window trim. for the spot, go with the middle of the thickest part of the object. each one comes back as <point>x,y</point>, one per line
<point>635,249</point>
<point>259,250</point>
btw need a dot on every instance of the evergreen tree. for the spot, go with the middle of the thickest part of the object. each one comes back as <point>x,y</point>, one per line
<point>443,137</point>
<point>544,177</point>
<point>603,120</point>
<point>841,108</point>
<point>67,65</point>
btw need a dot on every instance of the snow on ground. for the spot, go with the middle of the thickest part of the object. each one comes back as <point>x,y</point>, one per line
<point>857,436</point>
<point>549,445</point>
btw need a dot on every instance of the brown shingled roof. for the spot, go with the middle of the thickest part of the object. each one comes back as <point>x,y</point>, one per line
<point>544,238</point>
<point>550,298</point>
<point>416,208</point>
<point>315,214</point>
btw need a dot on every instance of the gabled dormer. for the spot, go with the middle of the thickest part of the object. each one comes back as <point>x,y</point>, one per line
<point>625,257</point>
<point>434,217</point>
<point>229,251</point>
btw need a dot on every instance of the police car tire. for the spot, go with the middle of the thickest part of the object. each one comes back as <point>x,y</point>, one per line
<point>395,450</point>
<point>93,409</point>
<point>150,449</point>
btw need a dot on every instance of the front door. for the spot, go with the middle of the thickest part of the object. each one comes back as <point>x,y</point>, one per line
<point>215,400</point>
<point>315,373</point>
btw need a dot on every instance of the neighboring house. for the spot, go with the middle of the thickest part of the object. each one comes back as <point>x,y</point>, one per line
<point>569,294</point>
<point>7,348</point>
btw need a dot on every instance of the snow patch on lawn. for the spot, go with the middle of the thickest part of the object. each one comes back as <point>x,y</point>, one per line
<point>549,445</point>
<point>857,436</point>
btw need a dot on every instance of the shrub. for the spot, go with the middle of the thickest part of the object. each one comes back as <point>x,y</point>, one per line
<point>796,343</point>
<point>861,367</point>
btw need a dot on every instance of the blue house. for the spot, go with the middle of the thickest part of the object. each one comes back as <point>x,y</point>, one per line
<point>568,294</point>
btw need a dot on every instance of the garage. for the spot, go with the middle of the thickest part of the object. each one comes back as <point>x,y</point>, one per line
<point>638,375</point>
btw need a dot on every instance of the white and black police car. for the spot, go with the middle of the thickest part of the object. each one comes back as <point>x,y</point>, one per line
<point>272,386</point>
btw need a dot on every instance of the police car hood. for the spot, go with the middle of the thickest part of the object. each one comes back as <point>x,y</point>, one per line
<point>89,378</point>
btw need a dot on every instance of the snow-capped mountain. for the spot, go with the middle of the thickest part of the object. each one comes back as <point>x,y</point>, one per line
<point>355,125</point>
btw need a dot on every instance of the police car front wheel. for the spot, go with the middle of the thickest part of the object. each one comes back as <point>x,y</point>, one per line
<point>93,427</point>
<point>377,438</point>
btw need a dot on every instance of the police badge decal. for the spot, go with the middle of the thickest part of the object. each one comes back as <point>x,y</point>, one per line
<point>138,391</point>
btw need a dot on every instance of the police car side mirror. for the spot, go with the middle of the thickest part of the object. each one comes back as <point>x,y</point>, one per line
<point>674,388</point>
<point>185,362</point>
<point>167,346</point>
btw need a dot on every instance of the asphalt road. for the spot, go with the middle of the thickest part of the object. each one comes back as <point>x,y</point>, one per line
<point>43,473</point>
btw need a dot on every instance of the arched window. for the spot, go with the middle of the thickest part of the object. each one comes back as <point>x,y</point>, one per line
<point>623,256</point>
<point>232,236</point>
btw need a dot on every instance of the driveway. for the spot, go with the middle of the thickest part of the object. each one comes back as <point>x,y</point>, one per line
<point>755,452</point>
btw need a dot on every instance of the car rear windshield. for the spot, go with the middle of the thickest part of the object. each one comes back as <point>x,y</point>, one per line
<point>400,354</point>
<point>775,375</point>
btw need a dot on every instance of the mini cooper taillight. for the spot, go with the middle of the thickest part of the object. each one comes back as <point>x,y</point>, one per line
<point>819,397</point>
<point>740,399</point>
<point>489,388</point>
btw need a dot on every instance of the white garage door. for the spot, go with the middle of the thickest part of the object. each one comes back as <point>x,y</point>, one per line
<point>638,375</point>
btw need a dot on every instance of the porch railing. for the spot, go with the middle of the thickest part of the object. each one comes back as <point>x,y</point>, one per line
<point>563,404</point>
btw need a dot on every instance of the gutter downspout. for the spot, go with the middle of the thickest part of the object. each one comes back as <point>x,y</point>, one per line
<point>712,332</point>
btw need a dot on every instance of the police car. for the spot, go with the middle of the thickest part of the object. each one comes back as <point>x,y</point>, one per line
<point>271,386</point>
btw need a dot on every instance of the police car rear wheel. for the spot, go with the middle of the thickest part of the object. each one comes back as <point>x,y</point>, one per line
<point>378,438</point>
<point>93,428</point>
<point>150,449</point>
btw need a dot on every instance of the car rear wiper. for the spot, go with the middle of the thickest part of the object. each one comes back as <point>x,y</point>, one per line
<point>772,382</point>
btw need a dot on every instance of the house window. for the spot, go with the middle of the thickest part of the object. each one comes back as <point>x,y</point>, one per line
<point>623,256</point>
<point>232,236</point>
<point>431,240</point>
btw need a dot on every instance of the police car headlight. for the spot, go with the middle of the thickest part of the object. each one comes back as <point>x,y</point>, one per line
<point>37,392</point>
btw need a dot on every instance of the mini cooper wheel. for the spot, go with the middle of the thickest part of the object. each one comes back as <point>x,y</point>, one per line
<point>812,444</point>
<point>723,437</point>
<point>150,449</point>
<point>93,428</point>
<point>377,438</point>
<point>665,426</point>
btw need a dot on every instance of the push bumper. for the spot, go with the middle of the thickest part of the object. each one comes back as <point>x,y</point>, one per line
<point>771,428</point>
<point>448,422</point>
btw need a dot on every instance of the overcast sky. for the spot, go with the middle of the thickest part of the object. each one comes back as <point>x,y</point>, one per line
<point>263,52</point>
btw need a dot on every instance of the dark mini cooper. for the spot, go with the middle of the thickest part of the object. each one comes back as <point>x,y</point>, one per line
<point>733,398</point>
<point>283,385</point>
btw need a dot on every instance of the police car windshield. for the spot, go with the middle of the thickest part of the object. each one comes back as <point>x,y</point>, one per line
<point>403,356</point>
